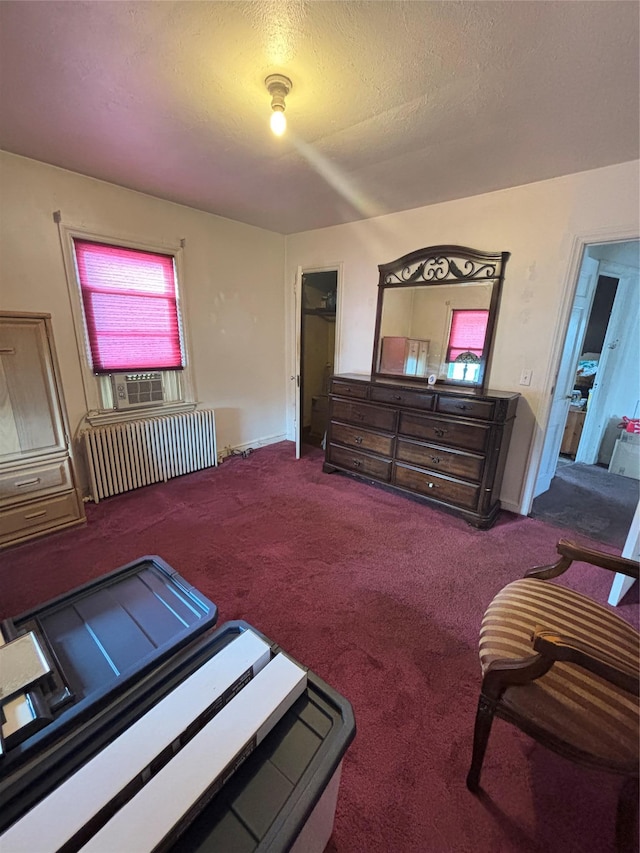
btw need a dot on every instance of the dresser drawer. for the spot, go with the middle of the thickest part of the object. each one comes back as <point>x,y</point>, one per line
<point>349,389</point>
<point>402,397</point>
<point>466,465</point>
<point>426,483</point>
<point>361,463</point>
<point>28,519</point>
<point>468,436</point>
<point>35,480</point>
<point>362,439</point>
<point>361,413</point>
<point>465,408</point>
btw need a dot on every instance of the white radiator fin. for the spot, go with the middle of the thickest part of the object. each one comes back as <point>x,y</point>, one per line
<point>125,456</point>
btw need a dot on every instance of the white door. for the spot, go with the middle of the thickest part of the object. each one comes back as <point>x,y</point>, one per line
<point>295,378</point>
<point>621,328</point>
<point>566,375</point>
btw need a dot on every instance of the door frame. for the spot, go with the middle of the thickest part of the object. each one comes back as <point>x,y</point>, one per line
<point>614,234</point>
<point>338,269</point>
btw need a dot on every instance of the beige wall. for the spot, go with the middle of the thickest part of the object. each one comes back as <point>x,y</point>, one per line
<point>540,224</point>
<point>232,287</point>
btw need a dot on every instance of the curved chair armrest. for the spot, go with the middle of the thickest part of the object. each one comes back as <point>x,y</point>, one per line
<point>557,647</point>
<point>570,552</point>
<point>508,672</point>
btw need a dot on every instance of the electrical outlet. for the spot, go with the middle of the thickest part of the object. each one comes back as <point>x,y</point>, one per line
<point>525,376</point>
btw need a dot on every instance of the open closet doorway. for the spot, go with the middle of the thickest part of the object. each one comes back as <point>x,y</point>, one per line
<point>589,475</point>
<point>316,345</point>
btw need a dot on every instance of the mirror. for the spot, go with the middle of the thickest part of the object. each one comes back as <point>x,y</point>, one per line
<point>436,315</point>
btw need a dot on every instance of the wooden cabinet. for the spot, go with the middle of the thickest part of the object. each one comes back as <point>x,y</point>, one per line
<point>37,485</point>
<point>448,447</point>
<point>572,431</point>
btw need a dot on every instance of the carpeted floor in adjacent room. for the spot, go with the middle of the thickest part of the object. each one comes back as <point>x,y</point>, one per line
<point>382,597</point>
<point>590,501</point>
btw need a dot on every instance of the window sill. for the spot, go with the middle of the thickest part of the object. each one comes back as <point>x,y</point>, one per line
<point>114,416</point>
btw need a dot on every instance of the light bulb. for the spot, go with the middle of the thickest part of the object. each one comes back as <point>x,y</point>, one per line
<point>278,122</point>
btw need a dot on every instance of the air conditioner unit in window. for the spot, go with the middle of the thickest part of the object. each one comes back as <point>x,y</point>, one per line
<point>137,389</point>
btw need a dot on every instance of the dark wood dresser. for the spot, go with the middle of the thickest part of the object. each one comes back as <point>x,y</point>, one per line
<point>446,446</point>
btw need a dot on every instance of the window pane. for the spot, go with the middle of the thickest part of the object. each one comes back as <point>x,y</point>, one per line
<point>130,306</point>
<point>468,332</point>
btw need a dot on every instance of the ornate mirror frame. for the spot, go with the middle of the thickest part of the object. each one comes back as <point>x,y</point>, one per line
<point>421,297</point>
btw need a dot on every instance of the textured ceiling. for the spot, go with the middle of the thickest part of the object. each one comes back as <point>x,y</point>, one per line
<point>394,104</point>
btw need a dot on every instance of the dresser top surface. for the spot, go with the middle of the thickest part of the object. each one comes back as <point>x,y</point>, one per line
<point>476,393</point>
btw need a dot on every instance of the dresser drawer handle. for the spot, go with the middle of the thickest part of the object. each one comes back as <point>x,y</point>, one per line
<point>432,485</point>
<point>397,396</point>
<point>358,439</point>
<point>439,431</point>
<point>33,482</point>
<point>462,406</point>
<point>435,459</point>
<point>356,463</point>
<point>359,416</point>
<point>7,351</point>
<point>36,514</point>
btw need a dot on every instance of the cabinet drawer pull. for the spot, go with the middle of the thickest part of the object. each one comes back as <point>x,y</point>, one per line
<point>435,459</point>
<point>357,463</point>
<point>36,514</point>
<point>397,396</point>
<point>358,439</point>
<point>359,416</point>
<point>439,431</point>
<point>33,482</point>
<point>462,406</point>
<point>7,351</point>
<point>431,485</point>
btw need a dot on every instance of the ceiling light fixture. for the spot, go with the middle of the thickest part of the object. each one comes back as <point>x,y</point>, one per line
<point>279,87</point>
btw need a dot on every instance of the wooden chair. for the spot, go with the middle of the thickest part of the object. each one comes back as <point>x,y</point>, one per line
<point>564,670</point>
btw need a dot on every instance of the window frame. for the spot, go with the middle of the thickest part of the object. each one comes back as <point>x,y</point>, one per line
<point>97,387</point>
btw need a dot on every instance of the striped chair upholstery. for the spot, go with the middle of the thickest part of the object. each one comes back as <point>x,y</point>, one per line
<point>568,704</point>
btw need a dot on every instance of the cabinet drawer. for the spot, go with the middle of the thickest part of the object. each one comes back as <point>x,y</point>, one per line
<point>402,397</point>
<point>426,483</point>
<point>34,480</point>
<point>361,463</point>
<point>349,389</point>
<point>466,408</point>
<point>362,439</point>
<point>466,465</point>
<point>361,413</point>
<point>28,519</point>
<point>443,431</point>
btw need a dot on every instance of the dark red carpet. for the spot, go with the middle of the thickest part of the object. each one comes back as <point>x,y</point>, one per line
<point>380,596</point>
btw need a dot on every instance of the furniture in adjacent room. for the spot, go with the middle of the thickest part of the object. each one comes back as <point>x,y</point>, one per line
<point>572,431</point>
<point>446,446</point>
<point>564,670</point>
<point>38,492</point>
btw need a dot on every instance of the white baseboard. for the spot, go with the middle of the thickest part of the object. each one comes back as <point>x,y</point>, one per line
<point>227,451</point>
<point>511,507</point>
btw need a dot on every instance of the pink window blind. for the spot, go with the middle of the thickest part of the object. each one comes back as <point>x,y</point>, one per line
<point>130,306</point>
<point>468,331</point>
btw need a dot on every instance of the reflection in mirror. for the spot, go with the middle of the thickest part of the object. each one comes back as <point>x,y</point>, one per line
<point>436,315</point>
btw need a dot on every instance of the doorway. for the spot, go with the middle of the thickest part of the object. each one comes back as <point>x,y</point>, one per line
<point>319,300</point>
<point>597,385</point>
<point>604,383</point>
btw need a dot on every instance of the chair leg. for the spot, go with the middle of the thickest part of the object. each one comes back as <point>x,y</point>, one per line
<point>482,730</point>
<point>627,817</point>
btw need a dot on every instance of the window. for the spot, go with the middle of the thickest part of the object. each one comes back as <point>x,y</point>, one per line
<point>466,343</point>
<point>127,312</point>
<point>130,304</point>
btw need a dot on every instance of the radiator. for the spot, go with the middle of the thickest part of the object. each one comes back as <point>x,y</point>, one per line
<point>125,456</point>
